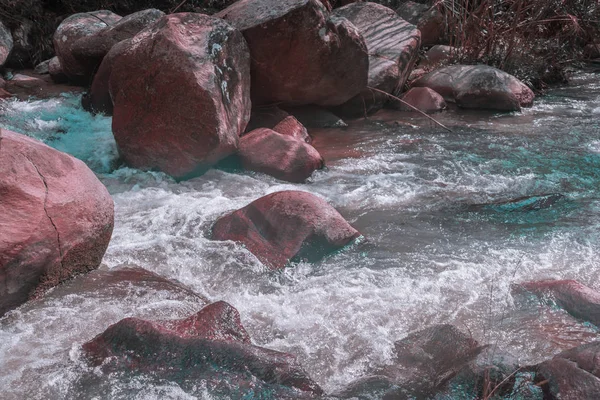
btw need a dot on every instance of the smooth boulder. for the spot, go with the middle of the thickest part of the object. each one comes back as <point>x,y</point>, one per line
<point>286,225</point>
<point>478,87</point>
<point>299,56</point>
<point>290,126</point>
<point>282,156</point>
<point>91,49</point>
<point>56,218</point>
<point>6,43</point>
<point>181,94</point>
<point>577,299</point>
<point>393,46</point>
<point>213,340</point>
<point>70,30</point>
<point>423,99</point>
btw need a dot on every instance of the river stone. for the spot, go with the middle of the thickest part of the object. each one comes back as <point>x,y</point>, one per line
<point>299,56</point>
<point>290,126</point>
<point>90,50</point>
<point>72,29</point>
<point>213,339</point>
<point>428,20</point>
<point>286,225</point>
<point>181,94</point>
<point>282,156</point>
<point>6,43</point>
<point>393,46</point>
<point>56,72</point>
<point>577,299</point>
<point>56,218</point>
<point>423,99</point>
<point>478,86</point>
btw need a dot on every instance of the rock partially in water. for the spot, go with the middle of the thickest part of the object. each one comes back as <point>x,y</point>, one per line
<point>572,375</point>
<point>478,87</point>
<point>290,126</point>
<point>425,361</point>
<point>577,299</point>
<point>181,94</point>
<point>56,218</point>
<point>208,342</point>
<point>393,46</point>
<point>72,29</point>
<point>427,18</point>
<point>282,156</point>
<point>299,56</point>
<point>286,225</point>
<point>520,204</point>
<point>422,98</point>
<point>91,49</point>
<point>316,117</point>
<point>6,43</point>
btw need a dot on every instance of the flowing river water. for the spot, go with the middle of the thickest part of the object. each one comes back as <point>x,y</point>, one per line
<point>441,245</point>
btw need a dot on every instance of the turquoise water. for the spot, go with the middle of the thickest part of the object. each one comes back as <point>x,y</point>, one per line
<point>451,221</point>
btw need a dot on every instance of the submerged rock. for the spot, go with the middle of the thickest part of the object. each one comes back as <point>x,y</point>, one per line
<point>521,204</point>
<point>283,156</point>
<point>286,225</point>
<point>56,218</point>
<point>428,20</point>
<point>210,341</point>
<point>72,29</point>
<point>572,375</point>
<point>422,98</point>
<point>6,43</point>
<point>425,361</point>
<point>181,94</point>
<point>299,56</point>
<point>577,299</point>
<point>393,46</point>
<point>478,86</point>
<point>91,49</point>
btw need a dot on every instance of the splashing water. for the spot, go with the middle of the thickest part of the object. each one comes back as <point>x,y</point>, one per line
<point>430,256</point>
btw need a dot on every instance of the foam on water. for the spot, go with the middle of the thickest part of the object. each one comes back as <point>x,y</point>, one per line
<point>429,257</point>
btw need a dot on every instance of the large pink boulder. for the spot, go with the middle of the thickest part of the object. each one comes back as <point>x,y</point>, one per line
<point>393,46</point>
<point>478,86</point>
<point>181,94</point>
<point>91,49</point>
<point>299,56</point>
<point>283,156</point>
<point>211,340</point>
<point>72,29</point>
<point>6,43</point>
<point>56,218</point>
<point>286,225</point>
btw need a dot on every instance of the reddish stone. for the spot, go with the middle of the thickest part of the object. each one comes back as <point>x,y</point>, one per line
<point>72,29</point>
<point>478,86</point>
<point>393,46</point>
<point>180,91</point>
<point>285,225</point>
<point>91,49</point>
<point>290,126</point>
<point>265,117</point>
<point>428,20</point>
<point>577,299</point>
<point>213,339</point>
<point>439,54</point>
<point>282,156</point>
<point>299,56</point>
<point>56,218</point>
<point>422,98</point>
<point>4,94</point>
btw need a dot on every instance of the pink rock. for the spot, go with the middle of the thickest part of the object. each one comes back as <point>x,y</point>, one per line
<point>212,339</point>
<point>265,117</point>
<point>181,94</point>
<point>424,99</point>
<point>72,29</point>
<point>283,156</point>
<point>393,46</point>
<point>290,126</point>
<point>299,56</point>
<point>285,225</point>
<point>478,86</point>
<point>56,218</point>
